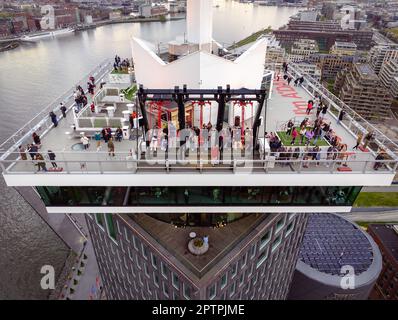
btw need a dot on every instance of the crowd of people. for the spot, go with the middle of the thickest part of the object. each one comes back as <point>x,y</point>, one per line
<point>37,157</point>
<point>298,81</point>
<point>121,65</point>
<point>310,132</point>
<point>108,136</point>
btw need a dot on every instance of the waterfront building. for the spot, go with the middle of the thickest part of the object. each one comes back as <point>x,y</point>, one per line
<point>152,10</point>
<point>379,55</point>
<point>362,90</point>
<point>334,247</point>
<point>386,237</point>
<point>309,15</point>
<point>326,33</point>
<point>193,216</point>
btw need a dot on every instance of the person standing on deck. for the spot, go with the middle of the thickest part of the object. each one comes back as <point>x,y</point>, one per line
<point>86,143</point>
<point>303,131</point>
<point>32,149</point>
<point>22,153</point>
<point>368,138</point>
<point>52,156</point>
<point>310,106</point>
<point>63,109</point>
<point>294,136</point>
<point>53,119</point>
<point>41,164</point>
<point>324,111</point>
<point>97,138</point>
<point>111,148</point>
<point>359,140</point>
<point>341,116</point>
<point>36,139</point>
<point>290,126</point>
<point>319,109</point>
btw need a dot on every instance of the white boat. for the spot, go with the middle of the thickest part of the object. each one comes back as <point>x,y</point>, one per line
<point>47,34</point>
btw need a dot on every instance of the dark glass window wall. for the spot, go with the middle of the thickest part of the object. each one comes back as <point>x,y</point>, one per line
<point>198,196</point>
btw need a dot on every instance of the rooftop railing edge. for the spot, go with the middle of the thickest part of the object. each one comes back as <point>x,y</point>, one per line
<point>339,104</point>
<point>11,143</point>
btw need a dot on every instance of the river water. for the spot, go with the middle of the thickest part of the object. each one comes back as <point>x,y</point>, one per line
<point>33,75</point>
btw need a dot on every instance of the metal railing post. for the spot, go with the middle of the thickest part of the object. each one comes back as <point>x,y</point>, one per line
<point>364,167</point>
<point>100,166</point>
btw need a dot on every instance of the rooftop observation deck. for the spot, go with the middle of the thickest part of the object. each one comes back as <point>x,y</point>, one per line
<point>132,165</point>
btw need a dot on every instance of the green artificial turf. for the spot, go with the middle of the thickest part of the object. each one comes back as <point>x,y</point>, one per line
<point>287,139</point>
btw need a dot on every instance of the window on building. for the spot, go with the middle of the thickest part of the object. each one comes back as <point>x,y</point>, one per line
<point>130,253</point>
<point>212,291</point>
<point>232,289</point>
<point>243,261</point>
<point>149,288</point>
<point>154,261</point>
<point>110,225</point>
<point>224,280</point>
<point>242,279</point>
<point>156,279</point>
<point>165,289</point>
<point>250,270</point>
<point>187,291</point>
<point>265,239</point>
<point>175,281</point>
<point>289,228</point>
<point>276,243</point>
<point>146,270</point>
<point>253,250</point>
<point>280,224</point>
<point>165,270</point>
<point>144,251</point>
<point>135,242</point>
<point>234,270</point>
<point>100,219</point>
<point>261,259</point>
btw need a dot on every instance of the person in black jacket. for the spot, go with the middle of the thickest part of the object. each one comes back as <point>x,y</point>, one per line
<point>52,156</point>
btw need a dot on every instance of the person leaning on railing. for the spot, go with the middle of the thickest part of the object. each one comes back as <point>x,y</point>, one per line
<point>41,164</point>
<point>379,158</point>
<point>368,139</point>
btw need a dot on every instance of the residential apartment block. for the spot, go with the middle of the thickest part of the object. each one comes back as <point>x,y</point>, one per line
<point>362,90</point>
<point>379,55</point>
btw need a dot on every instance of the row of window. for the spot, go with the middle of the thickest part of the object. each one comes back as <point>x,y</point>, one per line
<point>262,255</point>
<point>198,196</point>
<point>109,224</point>
<point>163,278</point>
